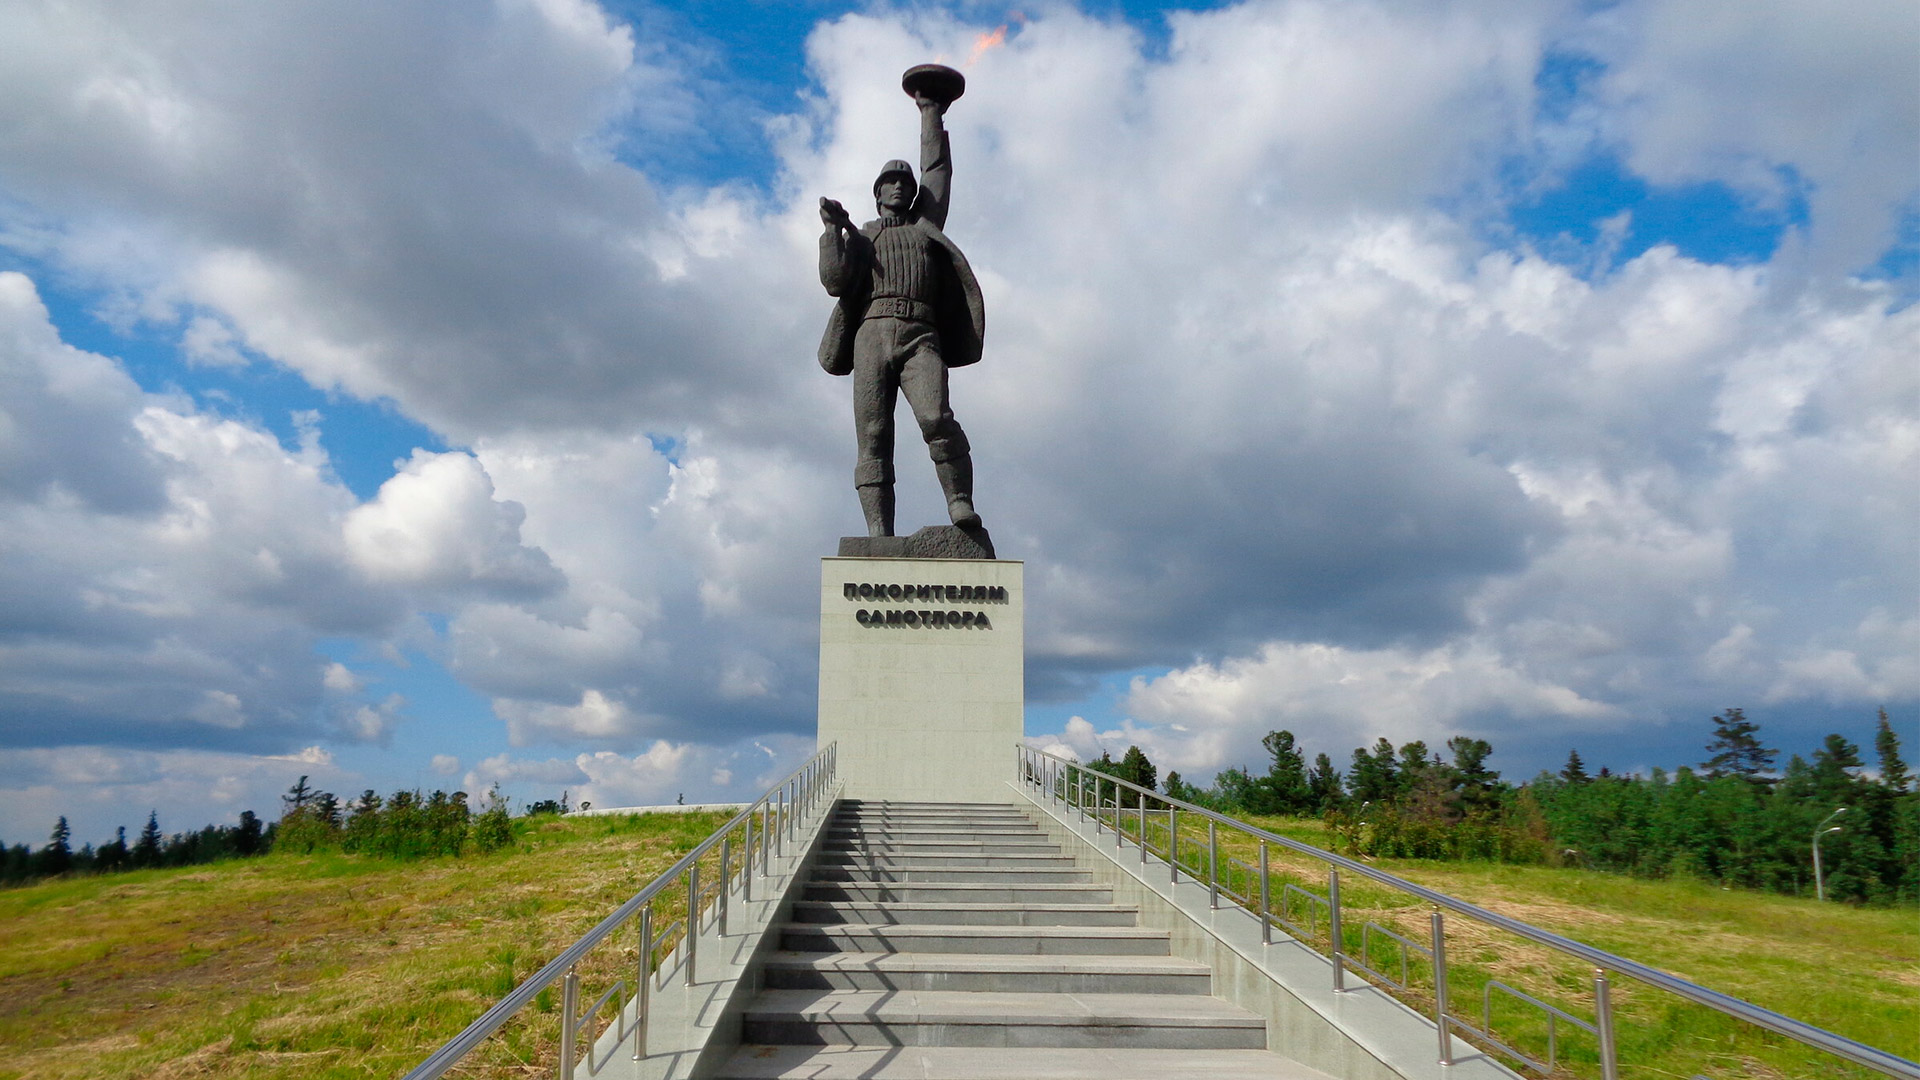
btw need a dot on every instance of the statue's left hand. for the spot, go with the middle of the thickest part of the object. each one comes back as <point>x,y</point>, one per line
<point>939,107</point>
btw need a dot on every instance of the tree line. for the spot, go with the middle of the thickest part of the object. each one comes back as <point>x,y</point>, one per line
<point>403,825</point>
<point>1736,818</point>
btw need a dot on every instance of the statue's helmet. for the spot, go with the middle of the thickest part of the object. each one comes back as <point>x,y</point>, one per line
<point>896,167</point>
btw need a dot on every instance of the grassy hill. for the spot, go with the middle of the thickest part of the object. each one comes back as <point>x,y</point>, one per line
<point>335,966</point>
<point>311,966</point>
<point>1853,971</point>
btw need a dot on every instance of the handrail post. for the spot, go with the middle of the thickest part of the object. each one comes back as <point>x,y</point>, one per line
<point>1266,923</point>
<point>746,861</point>
<point>1338,946</point>
<point>1603,1019</point>
<point>1438,922</point>
<point>1173,843</point>
<point>1119,830</point>
<point>569,1005</point>
<point>1143,830</point>
<point>1213,863</point>
<point>693,917</point>
<point>643,994</point>
<point>726,880</point>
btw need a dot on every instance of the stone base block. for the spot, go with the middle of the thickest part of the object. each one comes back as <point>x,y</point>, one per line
<point>932,542</point>
<point>922,662</point>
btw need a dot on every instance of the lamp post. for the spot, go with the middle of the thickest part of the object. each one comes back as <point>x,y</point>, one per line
<point>1820,830</point>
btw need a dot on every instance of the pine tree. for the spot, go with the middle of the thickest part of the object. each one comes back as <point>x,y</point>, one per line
<point>297,797</point>
<point>1414,766</point>
<point>1893,771</point>
<point>1471,777</point>
<point>146,850</point>
<point>248,838</point>
<point>113,855</point>
<point>1374,776</point>
<point>57,856</point>
<point>1136,768</point>
<point>1286,780</point>
<point>1323,784</point>
<point>1833,779</point>
<point>1575,770</point>
<point>1736,749</point>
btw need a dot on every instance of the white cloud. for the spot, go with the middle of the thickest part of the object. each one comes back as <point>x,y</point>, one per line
<point>436,525</point>
<point>167,571</point>
<point>1256,389</point>
<point>101,788</point>
<point>1337,698</point>
<point>373,723</point>
<point>1742,94</point>
<point>444,764</point>
<point>596,717</point>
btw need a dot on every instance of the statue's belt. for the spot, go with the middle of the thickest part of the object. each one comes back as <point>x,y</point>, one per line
<point>900,307</point>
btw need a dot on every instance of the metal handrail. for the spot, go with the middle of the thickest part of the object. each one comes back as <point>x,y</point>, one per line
<point>1039,769</point>
<point>776,808</point>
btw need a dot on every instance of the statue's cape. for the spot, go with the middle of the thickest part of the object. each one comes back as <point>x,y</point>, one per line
<point>960,315</point>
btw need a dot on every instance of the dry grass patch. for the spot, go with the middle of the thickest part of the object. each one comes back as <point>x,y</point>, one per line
<point>308,966</point>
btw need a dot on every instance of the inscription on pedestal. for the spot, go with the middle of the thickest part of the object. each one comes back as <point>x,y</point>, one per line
<point>921,669</point>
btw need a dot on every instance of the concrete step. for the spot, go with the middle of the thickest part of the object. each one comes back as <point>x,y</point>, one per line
<point>978,813</point>
<point>998,1018</point>
<point>1008,820</point>
<point>959,971</point>
<point>1024,1063</point>
<point>891,872</point>
<point>1007,860</point>
<point>893,913</point>
<point>889,845</point>
<point>937,807</point>
<point>963,892</point>
<point>938,938</point>
<point>937,830</point>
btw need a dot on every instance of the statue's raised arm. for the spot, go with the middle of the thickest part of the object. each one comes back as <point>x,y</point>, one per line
<point>936,163</point>
<point>909,308</point>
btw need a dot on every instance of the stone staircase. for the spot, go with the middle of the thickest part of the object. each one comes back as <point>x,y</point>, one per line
<point>949,941</point>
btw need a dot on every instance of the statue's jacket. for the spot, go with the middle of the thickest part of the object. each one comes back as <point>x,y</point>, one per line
<point>846,270</point>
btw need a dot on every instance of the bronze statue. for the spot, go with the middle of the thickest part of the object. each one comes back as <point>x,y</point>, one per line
<point>909,309</point>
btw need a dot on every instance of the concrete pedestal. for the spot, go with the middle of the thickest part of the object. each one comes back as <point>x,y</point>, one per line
<point>921,669</point>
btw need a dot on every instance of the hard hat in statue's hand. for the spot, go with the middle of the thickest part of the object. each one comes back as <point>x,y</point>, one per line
<point>935,82</point>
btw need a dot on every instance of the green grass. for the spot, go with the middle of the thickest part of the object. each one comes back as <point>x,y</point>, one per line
<point>1852,971</point>
<point>335,966</point>
<point>320,965</point>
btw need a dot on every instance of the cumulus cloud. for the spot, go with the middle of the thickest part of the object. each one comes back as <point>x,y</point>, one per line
<point>1342,698</point>
<point>101,788</point>
<point>658,775</point>
<point>1260,404</point>
<point>436,525</point>
<point>1778,98</point>
<point>168,578</point>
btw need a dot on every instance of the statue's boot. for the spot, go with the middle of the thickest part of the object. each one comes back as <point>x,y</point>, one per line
<point>956,480</point>
<point>876,502</point>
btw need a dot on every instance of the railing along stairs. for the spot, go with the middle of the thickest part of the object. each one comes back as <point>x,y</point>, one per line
<point>1170,831</point>
<point>640,958</point>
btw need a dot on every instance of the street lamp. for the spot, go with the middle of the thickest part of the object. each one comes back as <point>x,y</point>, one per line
<point>1820,830</point>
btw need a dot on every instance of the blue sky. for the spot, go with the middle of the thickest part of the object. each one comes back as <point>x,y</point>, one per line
<point>442,411</point>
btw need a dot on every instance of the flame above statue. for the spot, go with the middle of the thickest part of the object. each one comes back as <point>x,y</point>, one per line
<point>909,309</point>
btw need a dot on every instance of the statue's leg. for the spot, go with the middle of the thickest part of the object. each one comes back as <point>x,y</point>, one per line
<point>875,390</point>
<point>924,379</point>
